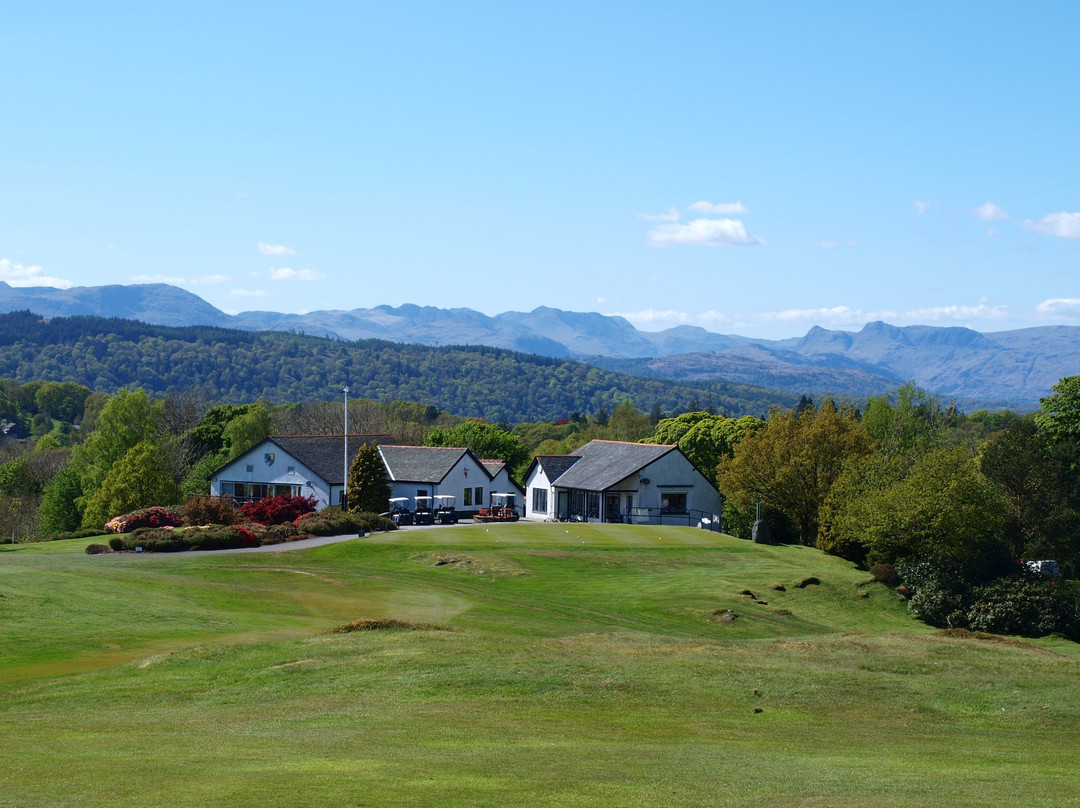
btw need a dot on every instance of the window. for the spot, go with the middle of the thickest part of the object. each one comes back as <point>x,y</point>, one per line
<point>468,497</point>
<point>540,500</point>
<point>479,496</point>
<point>673,503</point>
<point>594,505</point>
<point>249,467</point>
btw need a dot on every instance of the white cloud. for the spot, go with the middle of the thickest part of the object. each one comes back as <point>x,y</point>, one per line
<point>672,215</point>
<point>703,232</point>
<point>990,212</point>
<point>980,311</point>
<point>290,274</point>
<point>718,208</point>
<point>1062,225</point>
<point>276,250</point>
<point>841,314</point>
<point>1059,305</point>
<point>653,317</point>
<point>176,280</point>
<point>248,293</point>
<point>920,206</point>
<point>170,279</point>
<point>15,274</point>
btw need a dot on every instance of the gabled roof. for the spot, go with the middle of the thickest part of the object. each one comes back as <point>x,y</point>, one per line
<point>493,466</point>
<point>325,454</point>
<point>555,466</point>
<point>422,464</point>
<point>602,463</point>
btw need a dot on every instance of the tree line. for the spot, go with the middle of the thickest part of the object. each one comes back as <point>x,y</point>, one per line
<point>233,366</point>
<point>948,507</point>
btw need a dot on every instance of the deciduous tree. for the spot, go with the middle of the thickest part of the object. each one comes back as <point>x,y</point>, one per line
<point>793,463</point>
<point>140,479</point>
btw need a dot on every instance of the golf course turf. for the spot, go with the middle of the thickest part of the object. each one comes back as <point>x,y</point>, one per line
<point>520,664</point>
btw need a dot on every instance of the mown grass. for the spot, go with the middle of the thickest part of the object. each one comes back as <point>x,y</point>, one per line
<point>583,665</point>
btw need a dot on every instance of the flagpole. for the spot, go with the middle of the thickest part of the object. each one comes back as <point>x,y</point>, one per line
<point>345,485</point>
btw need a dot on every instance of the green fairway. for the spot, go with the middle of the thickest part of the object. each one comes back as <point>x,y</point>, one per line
<point>561,665</point>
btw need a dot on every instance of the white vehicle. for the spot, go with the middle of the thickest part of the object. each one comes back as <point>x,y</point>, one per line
<point>444,509</point>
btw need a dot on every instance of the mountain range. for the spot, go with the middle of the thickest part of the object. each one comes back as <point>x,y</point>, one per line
<point>997,369</point>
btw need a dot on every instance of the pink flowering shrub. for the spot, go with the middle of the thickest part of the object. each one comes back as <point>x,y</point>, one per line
<point>155,516</point>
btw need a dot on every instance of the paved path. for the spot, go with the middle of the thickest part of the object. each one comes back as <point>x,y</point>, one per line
<point>319,541</point>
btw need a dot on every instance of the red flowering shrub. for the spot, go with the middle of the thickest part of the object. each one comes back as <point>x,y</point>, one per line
<point>279,509</point>
<point>155,516</point>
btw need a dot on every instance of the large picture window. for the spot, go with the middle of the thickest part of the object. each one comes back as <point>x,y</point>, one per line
<point>540,500</point>
<point>251,492</point>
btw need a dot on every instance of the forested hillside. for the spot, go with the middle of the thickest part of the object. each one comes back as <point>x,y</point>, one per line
<point>233,366</point>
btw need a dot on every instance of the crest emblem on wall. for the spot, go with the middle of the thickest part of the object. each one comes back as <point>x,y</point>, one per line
<point>269,458</point>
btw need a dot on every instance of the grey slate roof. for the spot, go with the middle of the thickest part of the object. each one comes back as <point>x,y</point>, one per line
<point>493,466</point>
<point>325,454</point>
<point>421,464</point>
<point>555,466</point>
<point>603,463</point>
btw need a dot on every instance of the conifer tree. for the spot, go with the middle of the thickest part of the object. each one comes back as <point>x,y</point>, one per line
<point>369,484</point>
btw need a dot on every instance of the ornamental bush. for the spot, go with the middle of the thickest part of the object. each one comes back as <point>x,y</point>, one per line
<point>333,521</point>
<point>169,540</point>
<point>1023,604</point>
<point>207,510</point>
<point>272,534</point>
<point>278,509</point>
<point>155,516</point>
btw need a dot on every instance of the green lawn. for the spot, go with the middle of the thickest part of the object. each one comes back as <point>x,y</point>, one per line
<point>561,665</point>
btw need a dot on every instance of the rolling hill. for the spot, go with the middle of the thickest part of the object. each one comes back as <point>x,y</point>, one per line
<point>1008,368</point>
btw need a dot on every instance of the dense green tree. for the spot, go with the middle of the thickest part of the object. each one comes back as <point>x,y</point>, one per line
<point>792,463</point>
<point>140,478</point>
<point>944,511</point>
<point>627,423</point>
<point>64,401</point>
<point>128,418</point>
<point>486,441</point>
<point>1034,473</point>
<point>245,431</point>
<point>208,437</point>
<point>16,479</point>
<point>704,438</point>
<point>908,422</point>
<point>1059,413</point>
<point>369,484</point>
<point>59,510</point>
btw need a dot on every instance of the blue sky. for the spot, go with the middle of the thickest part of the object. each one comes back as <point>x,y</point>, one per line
<point>753,168</point>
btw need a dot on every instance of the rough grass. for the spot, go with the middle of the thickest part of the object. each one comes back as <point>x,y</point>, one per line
<point>587,666</point>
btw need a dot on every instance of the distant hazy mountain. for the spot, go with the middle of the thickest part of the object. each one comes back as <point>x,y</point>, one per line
<point>1008,368</point>
<point>156,303</point>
